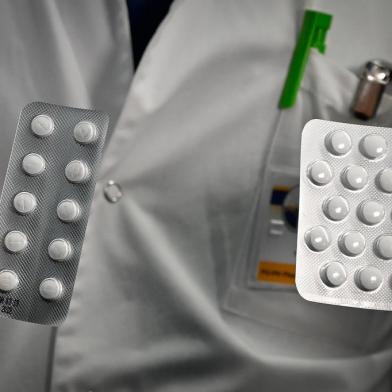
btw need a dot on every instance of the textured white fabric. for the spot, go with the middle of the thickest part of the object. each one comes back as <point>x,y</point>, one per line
<point>187,151</point>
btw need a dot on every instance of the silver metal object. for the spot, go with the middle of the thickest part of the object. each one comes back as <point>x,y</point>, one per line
<point>375,76</point>
<point>112,191</point>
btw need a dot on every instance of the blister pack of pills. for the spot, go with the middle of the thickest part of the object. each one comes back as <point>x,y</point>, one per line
<point>44,208</point>
<point>344,247</point>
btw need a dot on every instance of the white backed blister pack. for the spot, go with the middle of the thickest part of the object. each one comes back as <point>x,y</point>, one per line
<point>344,247</point>
<point>44,208</point>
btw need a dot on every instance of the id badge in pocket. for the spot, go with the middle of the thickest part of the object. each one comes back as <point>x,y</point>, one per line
<point>272,251</point>
<point>273,265</point>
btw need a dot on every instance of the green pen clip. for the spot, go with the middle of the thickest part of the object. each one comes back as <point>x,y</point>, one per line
<point>313,34</point>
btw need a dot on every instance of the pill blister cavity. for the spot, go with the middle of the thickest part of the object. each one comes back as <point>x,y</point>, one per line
<point>373,146</point>
<point>77,171</point>
<point>8,280</point>
<point>333,274</point>
<point>51,289</point>
<point>318,238</point>
<point>369,278</point>
<point>42,125</point>
<point>320,173</point>
<point>336,208</point>
<point>352,243</point>
<point>383,246</point>
<point>85,132</point>
<point>25,203</point>
<point>354,177</point>
<point>33,164</point>
<point>384,180</point>
<point>15,241</point>
<point>59,249</point>
<point>68,210</point>
<point>338,142</point>
<point>371,212</point>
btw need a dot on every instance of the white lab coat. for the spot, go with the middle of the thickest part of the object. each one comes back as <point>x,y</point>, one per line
<point>154,307</point>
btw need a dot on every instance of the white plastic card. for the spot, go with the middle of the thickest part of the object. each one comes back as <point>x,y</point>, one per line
<point>272,261</point>
<point>344,246</point>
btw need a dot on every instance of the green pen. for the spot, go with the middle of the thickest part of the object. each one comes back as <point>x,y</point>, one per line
<point>313,34</point>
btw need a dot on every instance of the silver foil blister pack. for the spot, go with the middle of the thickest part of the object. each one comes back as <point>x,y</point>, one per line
<point>44,208</point>
<point>344,246</point>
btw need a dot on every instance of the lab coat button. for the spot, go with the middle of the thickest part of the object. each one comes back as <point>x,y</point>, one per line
<point>112,192</point>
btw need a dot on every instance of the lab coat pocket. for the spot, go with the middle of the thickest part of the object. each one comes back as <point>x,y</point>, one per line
<point>263,285</point>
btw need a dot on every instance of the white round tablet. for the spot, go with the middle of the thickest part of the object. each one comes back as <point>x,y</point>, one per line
<point>384,180</point>
<point>338,142</point>
<point>320,173</point>
<point>51,289</point>
<point>25,202</point>
<point>42,125</point>
<point>336,208</point>
<point>59,249</point>
<point>15,241</point>
<point>85,132</point>
<point>68,210</point>
<point>383,246</point>
<point>352,243</point>
<point>77,171</point>
<point>373,146</point>
<point>371,212</point>
<point>369,278</point>
<point>33,164</point>
<point>8,280</point>
<point>333,274</point>
<point>354,177</point>
<point>318,238</point>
